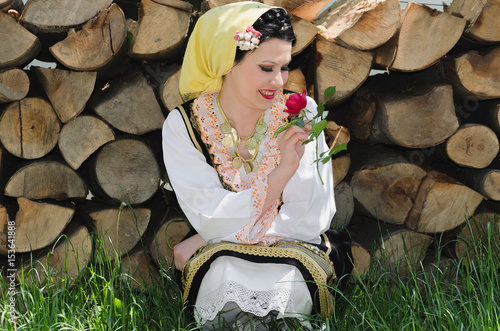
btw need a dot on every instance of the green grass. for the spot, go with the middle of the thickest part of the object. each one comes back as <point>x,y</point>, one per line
<point>461,294</point>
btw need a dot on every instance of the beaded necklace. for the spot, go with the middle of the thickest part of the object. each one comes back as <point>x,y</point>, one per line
<point>233,139</point>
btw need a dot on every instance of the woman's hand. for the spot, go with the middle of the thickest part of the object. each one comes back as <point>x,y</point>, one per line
<point>185,249</point>
<point>291,146</point>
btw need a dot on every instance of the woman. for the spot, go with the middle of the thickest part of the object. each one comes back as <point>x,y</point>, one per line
<point>256,200</point>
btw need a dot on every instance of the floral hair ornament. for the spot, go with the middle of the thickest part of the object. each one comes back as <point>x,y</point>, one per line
<point>248,39</point>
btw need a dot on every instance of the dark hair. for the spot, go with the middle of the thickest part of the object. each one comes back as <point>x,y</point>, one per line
<point>274,23</point>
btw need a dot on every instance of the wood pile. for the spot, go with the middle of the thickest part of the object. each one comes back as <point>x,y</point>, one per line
<point>80,141</point>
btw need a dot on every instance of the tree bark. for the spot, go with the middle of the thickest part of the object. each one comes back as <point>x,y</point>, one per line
<point>129,105</point>
<point>56,16</point>
<point>119,229</point>
<point>68,91</point>
<point>46,180</point>
<point>163,30</point>
<point>125,170</point>
<point>81,137</point>
<point>425,35</point>
<point>96,45</point>
<point>441,203</point>
<point>361,24</point>
<point>37,225</point>
<point>404,114</point>
<point>29,128</point>
<point>18,45</point>
<point>487,27</point>
<point>14,85</point>
<point>475,73</point>
<point>338,66</point>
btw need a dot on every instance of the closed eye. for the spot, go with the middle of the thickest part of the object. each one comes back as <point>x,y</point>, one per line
<point>266,69</point>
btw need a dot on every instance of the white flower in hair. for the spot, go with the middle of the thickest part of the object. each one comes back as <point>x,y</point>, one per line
<point>247,40</point>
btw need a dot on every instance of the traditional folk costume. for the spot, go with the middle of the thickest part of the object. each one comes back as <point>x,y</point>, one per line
<point>278,262</point>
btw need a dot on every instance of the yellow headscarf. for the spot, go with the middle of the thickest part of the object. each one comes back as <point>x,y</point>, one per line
<point>211,47</point>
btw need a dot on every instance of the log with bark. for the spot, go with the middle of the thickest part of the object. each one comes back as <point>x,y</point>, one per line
<point>344,202</point>
<point>486,28</point>
<point>476,239</point>
<point>97,46</point>
<point>124,170</point>
<point>475,73</point>
<point>163,30</point>
<point>170,95</point>
<point>14,85</point>
<point>397,111</point>
<point>18,44</point>
<point>138,269</point>
<point>68,91</point>
<point>362,260</point>
<point>61,262</point>
<point>472,146</point>
<point>170,233</point>
<point>441,204</point>
<point>485,181</point>
<point>361,24</point>
<point>397,248</point>
<point>129,105</point>
<point>384,184</point>
<point>425,35</point>
<point>52,16</point>
<point>46,179</point>
<point>335,65</point>
<point>37,225</point>
<point>29,128</point>
<point>467,9</point>
<point>81,137</point>
<point>119,229</point>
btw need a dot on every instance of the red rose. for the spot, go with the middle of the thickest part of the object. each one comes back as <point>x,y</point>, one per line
<point>296,102</point>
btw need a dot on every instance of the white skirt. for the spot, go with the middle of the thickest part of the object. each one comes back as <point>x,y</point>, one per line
<point>233,285</point>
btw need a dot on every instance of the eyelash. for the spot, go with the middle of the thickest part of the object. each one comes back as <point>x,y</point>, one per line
<point>269,69</point>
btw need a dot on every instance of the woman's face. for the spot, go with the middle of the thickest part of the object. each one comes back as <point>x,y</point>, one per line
<point>258,76</point>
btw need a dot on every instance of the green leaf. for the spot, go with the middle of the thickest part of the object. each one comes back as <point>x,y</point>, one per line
<point>321,109</point>
<point>337,149</point>
<point>281,129</point>
<point>319,127</point>
<point>329,92</point>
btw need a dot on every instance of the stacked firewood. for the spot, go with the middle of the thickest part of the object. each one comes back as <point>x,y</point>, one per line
<point>80,141</point>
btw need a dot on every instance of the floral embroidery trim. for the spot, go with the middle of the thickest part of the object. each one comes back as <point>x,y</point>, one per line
<point>204,107</point>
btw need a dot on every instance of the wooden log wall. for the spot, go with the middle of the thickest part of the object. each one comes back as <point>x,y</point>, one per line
<point>80,140</point>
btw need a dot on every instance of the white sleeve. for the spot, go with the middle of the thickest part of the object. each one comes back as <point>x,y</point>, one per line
<point>213,211</point>
<point>308,204</point>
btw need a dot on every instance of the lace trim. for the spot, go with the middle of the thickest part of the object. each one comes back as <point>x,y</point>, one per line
<point>258,303</point>
<point>206,113</point>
